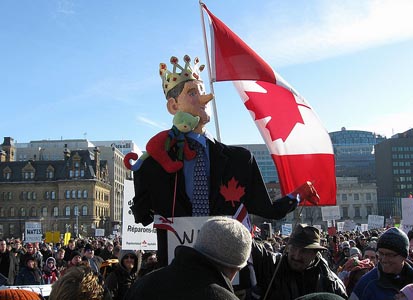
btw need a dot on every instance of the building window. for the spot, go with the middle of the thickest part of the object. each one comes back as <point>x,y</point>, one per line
<point>10,195</point>
<point>33,212</point>
<point>76,210</point>
<point>368,196</point>
<point>2,214</point>
<point>357,212</point>
<point>11,230</point>
<point>345,212</point>
<point>85,194</point>
<point>44,211</point>
<point>344,197</point>
<point>53,195</point>
<point>84,210</point>
<point>12,212</point>
<point>71,173</point>
<point>34,196</point>
<point>46,195</point>
<point>55,211</point>
<point>356,197</point>
<point>22,212</point>
<point>79,194</point>
<point>29,195</point>
<point>67,211</point>
<point>67,194</point>
<point>369,210</point>
<point>73,194</point>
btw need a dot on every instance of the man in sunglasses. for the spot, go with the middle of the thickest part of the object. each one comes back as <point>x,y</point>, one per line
<point>393,270</point>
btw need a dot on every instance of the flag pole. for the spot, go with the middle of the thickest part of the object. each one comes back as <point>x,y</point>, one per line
<point>211,86</point>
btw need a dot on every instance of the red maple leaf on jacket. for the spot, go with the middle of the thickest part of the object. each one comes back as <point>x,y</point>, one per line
<point>279,104</point>
<point>233,191</point>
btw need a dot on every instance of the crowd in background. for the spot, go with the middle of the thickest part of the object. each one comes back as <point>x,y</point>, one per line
<point>349,255</point>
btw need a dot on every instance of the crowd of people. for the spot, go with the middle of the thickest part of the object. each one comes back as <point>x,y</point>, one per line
<point>374,264</point>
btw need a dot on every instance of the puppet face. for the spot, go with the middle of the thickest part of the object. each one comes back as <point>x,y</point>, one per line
<point>192,100</point>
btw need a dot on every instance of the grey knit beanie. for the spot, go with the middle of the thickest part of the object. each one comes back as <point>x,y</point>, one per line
<point>394,239</point>
<point>225,241</point>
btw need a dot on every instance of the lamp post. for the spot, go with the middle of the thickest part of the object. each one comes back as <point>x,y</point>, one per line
<point>77,221</point>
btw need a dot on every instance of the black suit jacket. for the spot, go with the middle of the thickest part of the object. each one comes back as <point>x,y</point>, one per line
<point>154,188</point>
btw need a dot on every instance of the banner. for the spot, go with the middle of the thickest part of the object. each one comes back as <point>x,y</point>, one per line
<point>330,213</point>
<point>135,236</point>
<point>52,237</point>
<point>185,231</point>
<point>407,211</point>
<point>33,232</point>
<point>286,229</point>
<point>340,226</point>
<point>375,221</point>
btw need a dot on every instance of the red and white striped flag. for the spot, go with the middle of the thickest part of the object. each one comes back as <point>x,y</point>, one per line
<point>299,145</point>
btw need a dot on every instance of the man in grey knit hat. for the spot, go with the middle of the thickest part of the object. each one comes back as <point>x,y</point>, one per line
<point>222,248</point>
<point>392,272</point>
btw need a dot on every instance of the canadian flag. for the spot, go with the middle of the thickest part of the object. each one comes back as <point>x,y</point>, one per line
<point>299,145</point>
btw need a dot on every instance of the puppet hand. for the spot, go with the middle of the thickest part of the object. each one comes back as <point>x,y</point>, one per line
<point>307,192</point>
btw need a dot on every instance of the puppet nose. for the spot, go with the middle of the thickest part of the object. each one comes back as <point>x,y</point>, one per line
<point>204,99</point>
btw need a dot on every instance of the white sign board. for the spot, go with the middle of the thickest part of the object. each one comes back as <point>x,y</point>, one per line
<point>33,232</point>
<point>407,211</point>
<point>186,231</point>
<point>135,236</point>
<point>405,227</point>
<point>340,226</point>
<point>318,227</point>
<point>99,232</point>
<point>286,229</point>
<point>349,225</point>
<point>364,227</point>
<point>330,213</point>
<point>375,221</point>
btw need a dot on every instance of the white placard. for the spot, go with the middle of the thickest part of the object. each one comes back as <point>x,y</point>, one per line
<point>286,229</point>
<point>186,230</point>
<point>364,227</point>
<point>135,236</point>
<point>405,227</point>
<point>99,232</point>
<point>33,232</point>
<point>340,226</point>
<point>407,211</point>
<point>349,225</point>
<point>330,213</point>
<point>375,221</point>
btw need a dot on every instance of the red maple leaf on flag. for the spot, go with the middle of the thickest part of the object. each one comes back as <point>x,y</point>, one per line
<point>232,192</point>
<point>277,101</point>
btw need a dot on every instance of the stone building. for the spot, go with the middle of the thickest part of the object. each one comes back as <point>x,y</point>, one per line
<point>66,195</point>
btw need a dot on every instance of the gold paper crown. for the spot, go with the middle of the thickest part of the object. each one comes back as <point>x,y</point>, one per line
<point>172,79</point>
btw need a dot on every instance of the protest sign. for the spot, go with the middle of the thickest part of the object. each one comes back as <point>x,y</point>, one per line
<point>135,236</point>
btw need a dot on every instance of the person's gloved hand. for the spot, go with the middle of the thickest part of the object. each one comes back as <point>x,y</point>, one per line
<point>306,192</point>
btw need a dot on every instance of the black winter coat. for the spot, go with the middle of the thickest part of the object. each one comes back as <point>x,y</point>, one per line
<point>289,284</point>
<point>28,276</point>
<point>190,276</point>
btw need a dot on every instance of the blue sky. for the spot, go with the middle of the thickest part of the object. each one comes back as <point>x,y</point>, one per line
<point>76,69</point>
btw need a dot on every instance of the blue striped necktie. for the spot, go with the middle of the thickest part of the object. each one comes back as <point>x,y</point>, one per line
<point>200,196</point>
